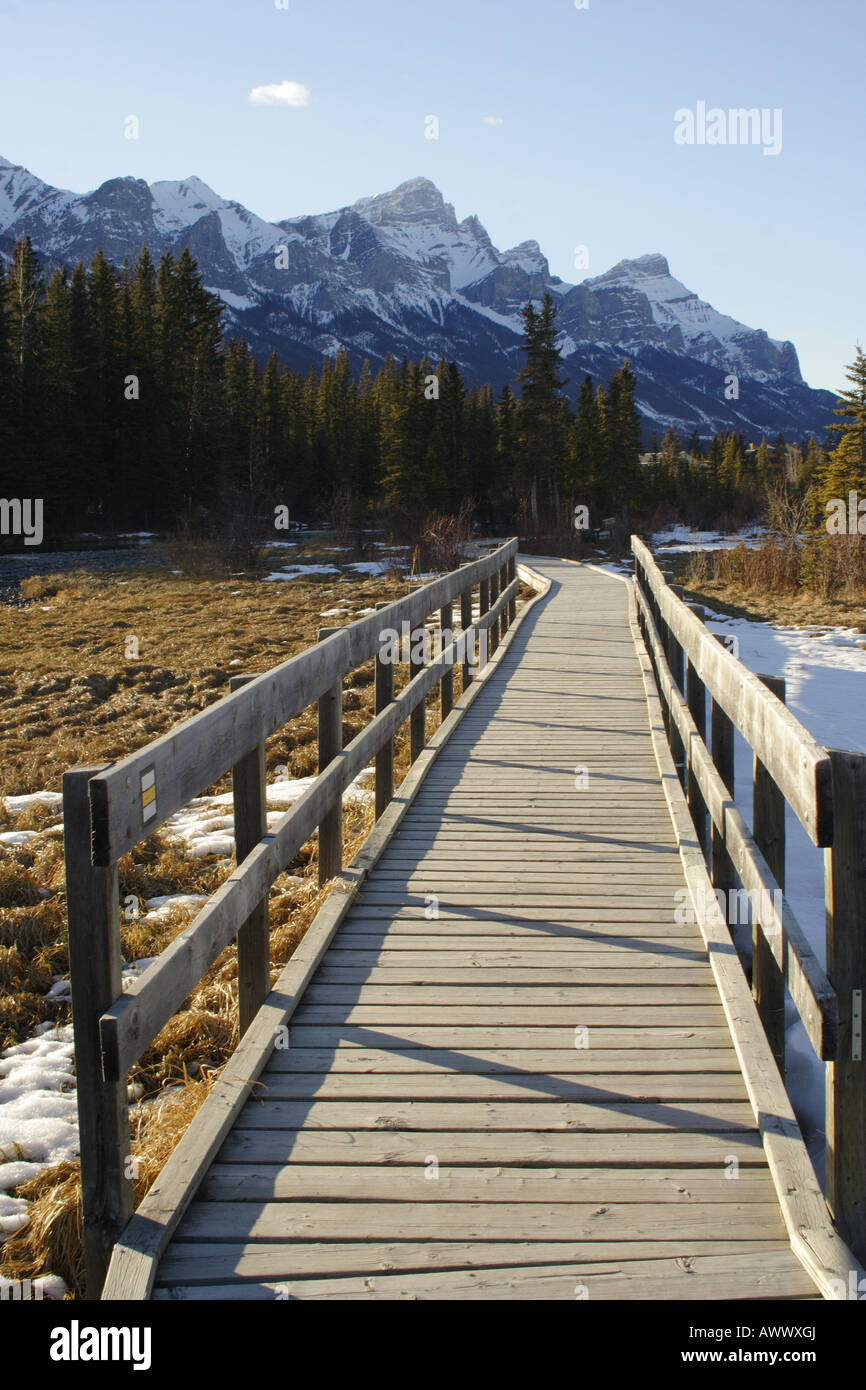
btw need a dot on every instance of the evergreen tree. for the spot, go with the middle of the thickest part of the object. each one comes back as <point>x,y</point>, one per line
<point>622,429</point>
<point>845,470</point>
<point>543,424</point>
<point>586,447</point>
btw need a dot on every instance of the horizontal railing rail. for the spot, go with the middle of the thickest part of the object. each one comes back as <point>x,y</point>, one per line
<point>132,1023</point>
<point>798,764</point>
<point>108,810</point>
<point>810,989</point>
<point>826,789</point>
<point>136,795</point>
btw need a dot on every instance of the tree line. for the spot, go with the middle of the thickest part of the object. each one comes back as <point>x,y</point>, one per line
<point>124,405</point>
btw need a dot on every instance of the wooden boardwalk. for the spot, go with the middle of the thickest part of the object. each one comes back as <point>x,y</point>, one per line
<point>511,1075</point>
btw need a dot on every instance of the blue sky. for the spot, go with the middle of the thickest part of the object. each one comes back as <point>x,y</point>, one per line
<point>582,152</point>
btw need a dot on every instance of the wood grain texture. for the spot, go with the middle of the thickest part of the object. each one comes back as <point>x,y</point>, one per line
<point>512,1069</point>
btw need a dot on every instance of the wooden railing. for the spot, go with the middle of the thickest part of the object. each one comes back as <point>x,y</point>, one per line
<point>826,789</point>
<point>108,809</point>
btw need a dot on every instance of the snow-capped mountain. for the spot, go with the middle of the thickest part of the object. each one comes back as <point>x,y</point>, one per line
<point>397,273</point>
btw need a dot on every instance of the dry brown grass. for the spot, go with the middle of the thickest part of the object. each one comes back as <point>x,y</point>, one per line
<point>52,1240</point>
<point>69,695</point>
<point>821,580</point>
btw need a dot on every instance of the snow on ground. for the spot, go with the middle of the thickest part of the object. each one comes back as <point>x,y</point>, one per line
<point>825,674</point>
<point>681,540</point>
<point>160,907</point>
<point>206,825</point>
<point>14,804</point>
<point>371,567</point>
<point>301,572</point>
<point>38,1118</point>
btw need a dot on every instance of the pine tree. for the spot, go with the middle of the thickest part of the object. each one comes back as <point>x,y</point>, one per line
<point>108,372</point>
<point>586,447</point>
<point>7,392</point>
<point>622,428</point>
<point>846,467</point>
<point>543,423</point>
<point>26,291</point>
<point>62,427</point>
<point>507,443</point>
<point>732,460</point>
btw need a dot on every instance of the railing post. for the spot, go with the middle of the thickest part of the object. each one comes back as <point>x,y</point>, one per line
<point>722,751</point>
<point>493,630</point>
<point>696,699</point>
<point>503,585</point>
<point>418,717</point>
<point>512,575</point>
<point>768,827</point>
<point>249,793</point>
<point>664,633</point>
<point>483,606</point>
<point>446,685</point>
<point>385,756</point>
<point>677,666</point>
<point>845,877</point>
<point>93,914</point>
<point>330,710</point>
<point>466,623</point>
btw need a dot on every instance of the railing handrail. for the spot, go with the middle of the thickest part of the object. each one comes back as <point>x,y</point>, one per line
<point>104,815</point>
<point>798,764</point>
<point>809,987</point>
<point>176,767</point>
<point>826,788</point>
<point>137,1015</point>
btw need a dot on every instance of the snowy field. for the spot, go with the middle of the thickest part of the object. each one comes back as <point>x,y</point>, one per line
<point>825,674</point>
<point>824,669</point>
<point>682,540</point>
<point>38,1117</point>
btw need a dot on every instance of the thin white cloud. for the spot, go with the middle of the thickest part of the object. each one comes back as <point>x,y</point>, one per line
<point>493,120</point>
<point>280,94</point>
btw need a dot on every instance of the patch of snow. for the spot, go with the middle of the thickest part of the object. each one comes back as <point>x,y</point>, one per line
<point>158,908</point>
<point>825,674</point>
<point>235,301</point>
<point>38,1115</point>
<point>206,826</point>
<point>301,571</point>
<point>14,804</point>
<point>682,540</point>
<point>371,567</point>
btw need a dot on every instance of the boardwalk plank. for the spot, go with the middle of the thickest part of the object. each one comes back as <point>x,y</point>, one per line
<point>409,1220</point>
<point>689,1279</point>
<point>248,1182</point>
<point>598,1159</point>
<point>204,1263</point>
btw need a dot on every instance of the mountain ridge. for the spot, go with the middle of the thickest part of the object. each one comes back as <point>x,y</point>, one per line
<point>397,273</point>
